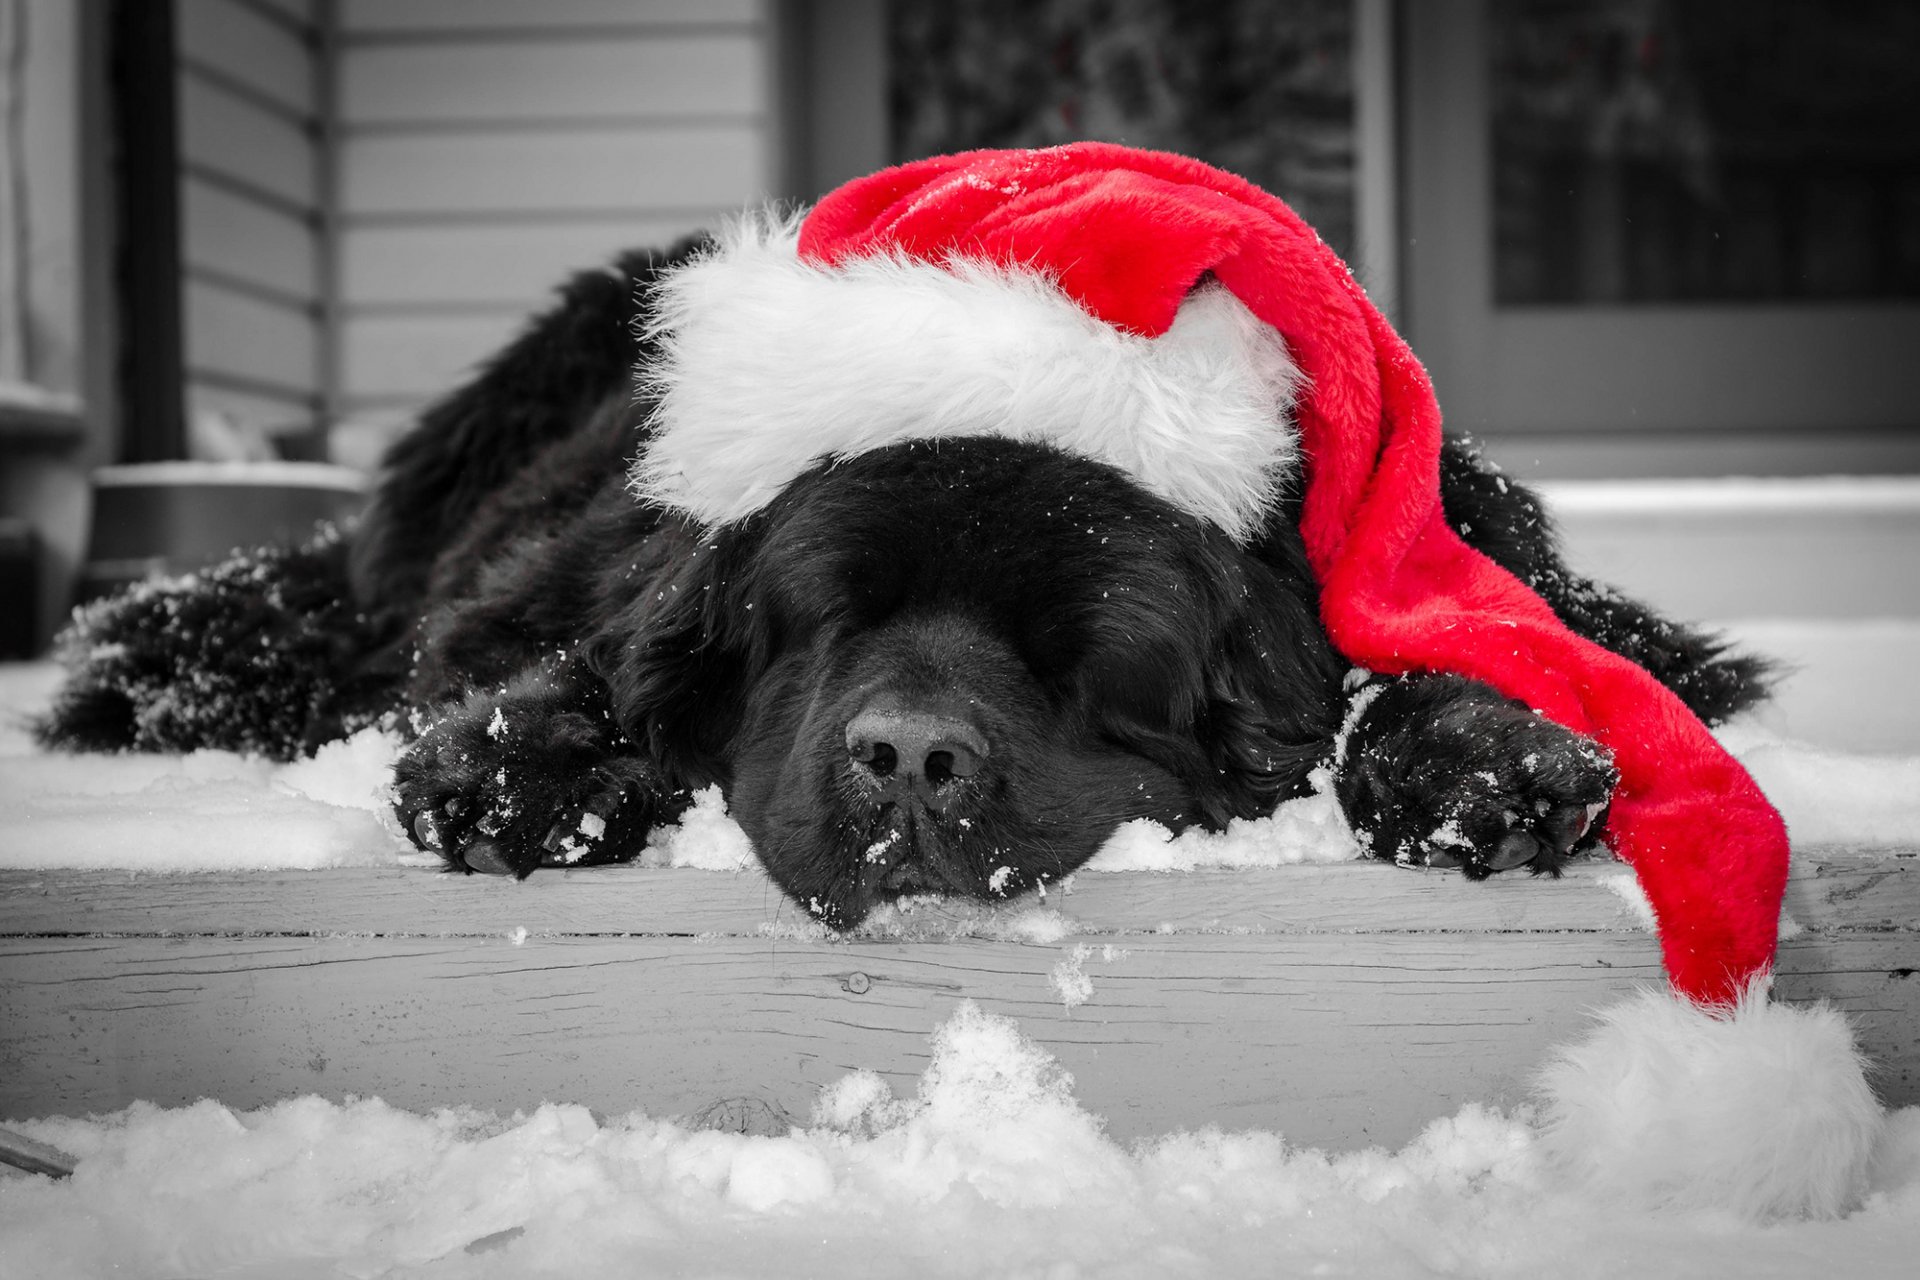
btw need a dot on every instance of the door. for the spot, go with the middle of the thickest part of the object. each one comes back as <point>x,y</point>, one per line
<point>1667,237</point>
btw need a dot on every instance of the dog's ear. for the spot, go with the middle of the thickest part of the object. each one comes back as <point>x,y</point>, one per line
<point>1272,700</point>
<point>683,646</point>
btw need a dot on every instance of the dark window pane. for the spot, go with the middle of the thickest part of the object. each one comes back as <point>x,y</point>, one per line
<point>1262,88</point>
<point>1705,150</point>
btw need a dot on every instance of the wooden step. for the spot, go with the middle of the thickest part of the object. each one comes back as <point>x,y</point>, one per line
<point>1342,1006</point>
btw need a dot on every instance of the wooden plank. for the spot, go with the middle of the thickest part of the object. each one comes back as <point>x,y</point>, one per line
<point>365,17</point>
<point>1832,892</point>
<point>243,43</point>
<point>661,75</point>
<point>419,355</point>
<point>514,266</point>
<point>248,240</point>
<point>261,341</point>
<point>634,172</point>
<point>237,138</point>
<point>1334,1040</point>
<point>1342,1005</point>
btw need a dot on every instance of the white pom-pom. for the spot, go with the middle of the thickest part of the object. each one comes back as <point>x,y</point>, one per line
<point>1764,1110</point>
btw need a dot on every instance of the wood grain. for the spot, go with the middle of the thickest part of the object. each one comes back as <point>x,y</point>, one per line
<point>1342,1006</point>
<point>1832,891</point>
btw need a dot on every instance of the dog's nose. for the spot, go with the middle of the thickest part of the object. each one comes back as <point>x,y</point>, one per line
<point>923,750</point>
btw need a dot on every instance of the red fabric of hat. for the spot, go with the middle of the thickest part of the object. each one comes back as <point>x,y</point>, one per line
<point>1127,235</point>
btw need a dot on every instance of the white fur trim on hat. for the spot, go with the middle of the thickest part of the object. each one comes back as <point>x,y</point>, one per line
<point>769,363</point>
<point>1763,1110</point>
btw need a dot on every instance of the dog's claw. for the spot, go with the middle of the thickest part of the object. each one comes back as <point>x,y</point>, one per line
<point>1517,850</point>
<point>485,858</point>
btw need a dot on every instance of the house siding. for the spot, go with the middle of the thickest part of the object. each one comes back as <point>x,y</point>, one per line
<point>252,193</point>
<point>487,149</point>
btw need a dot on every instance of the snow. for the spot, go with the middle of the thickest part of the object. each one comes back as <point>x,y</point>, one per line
<point>215,810</point>
<point>991,1169</point>
<point>1646,496</point>
<point>211,810</point>
<point>1310,829</point>
<point>705,838</point>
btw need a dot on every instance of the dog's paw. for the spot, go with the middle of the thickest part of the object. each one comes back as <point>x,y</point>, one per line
<point>1445,772</point>
<point>505,789</point>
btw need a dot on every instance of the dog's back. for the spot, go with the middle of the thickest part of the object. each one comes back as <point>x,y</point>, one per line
<point>565,365</point>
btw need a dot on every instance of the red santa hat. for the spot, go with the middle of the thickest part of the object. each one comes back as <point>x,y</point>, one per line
<point>1162,315</point>
<point>1176,321</point>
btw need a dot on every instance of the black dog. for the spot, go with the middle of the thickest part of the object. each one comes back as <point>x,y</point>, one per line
<point>946,667</point>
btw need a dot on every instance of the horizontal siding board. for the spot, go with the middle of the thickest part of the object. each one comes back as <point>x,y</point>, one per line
<point>235,334</point>
<point>516,266</point>
<point>455,17</point>
<point>239,237</point>
<point>242,43</point>
<point>418,357</point>
<point>229,135</point>
<point>632,171</point>
<point>662,76</point>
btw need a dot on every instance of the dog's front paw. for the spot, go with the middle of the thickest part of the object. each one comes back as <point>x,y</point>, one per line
<point>1444,772</point>
<point>505,788</point>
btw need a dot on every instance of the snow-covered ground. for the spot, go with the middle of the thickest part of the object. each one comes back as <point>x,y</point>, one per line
<point>992,1169</point>
<point>1838,751</point>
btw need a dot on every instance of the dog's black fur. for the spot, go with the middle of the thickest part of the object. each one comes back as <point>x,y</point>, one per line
<point>950,667</point>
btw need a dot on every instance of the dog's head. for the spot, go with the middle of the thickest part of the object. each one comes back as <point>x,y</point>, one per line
<point>958,667</point>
